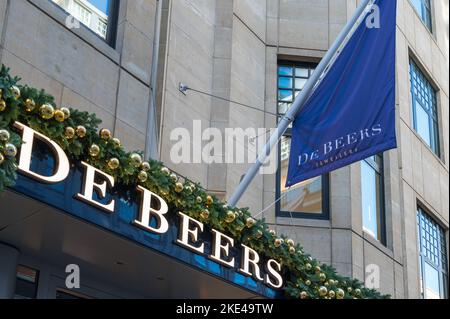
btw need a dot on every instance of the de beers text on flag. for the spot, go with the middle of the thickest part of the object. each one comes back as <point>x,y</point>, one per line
<point>351,114</point>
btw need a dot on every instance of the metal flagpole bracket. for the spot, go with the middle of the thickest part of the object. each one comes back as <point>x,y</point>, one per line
<point>183,88</point>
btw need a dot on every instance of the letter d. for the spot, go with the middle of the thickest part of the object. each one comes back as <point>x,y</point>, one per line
<point>62,162</point>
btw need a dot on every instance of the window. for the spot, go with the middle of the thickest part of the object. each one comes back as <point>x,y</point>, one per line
<point>423,8</point>
<point>372,198</point>
<point>433,257</point>
<point>100,16</point>
<point>308,199</point>
<point>26,283</point>
<point>424,104</point>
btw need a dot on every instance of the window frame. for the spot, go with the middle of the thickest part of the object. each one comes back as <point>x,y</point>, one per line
<point>416,71</point>
<point>423,258</point>
<point>379,169</point>
<point>427,8</point>
<point>325,214</point>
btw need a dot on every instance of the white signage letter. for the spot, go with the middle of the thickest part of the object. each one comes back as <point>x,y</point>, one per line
<point>188,234</point>
<point>218,248</point>
<point>146,212</point>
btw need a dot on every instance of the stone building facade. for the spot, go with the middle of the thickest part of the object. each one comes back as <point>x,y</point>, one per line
<point>233,49</point>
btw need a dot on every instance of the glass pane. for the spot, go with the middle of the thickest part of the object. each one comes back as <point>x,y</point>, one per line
<point>285,70</point>
<point>300,83</point>
<point>432,290</point>
<point>423,124</point>
<point>92,13</point>
<point>370,189</point>
<point>303,72</point>
<point>284,83</point>
<point>305,197</point>
<point>285,95</point>
<point>283,107</point>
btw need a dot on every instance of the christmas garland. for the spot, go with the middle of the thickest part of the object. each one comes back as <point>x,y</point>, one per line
<point>77,134</point>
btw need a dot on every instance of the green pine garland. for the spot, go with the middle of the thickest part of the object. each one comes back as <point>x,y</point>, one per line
<point>76,132</point>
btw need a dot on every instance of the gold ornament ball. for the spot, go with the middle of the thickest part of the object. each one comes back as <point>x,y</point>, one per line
<point>59,116</point>
<point>66,112</point>
<point>290,242</point>
<point>205,214</point>
<point>358,291</point>
<point>272,232</point>
<point>199,200</point>
<point>277,243</point>
<point>136,160</point>
<point>145,166</point>
<point>174,177</point>
<point>2,158</point>
<point>259,233</point>
<point>230,217</point>
<point>30,105</point>
<point>332,294</point>
<point>318,269</point>
<point>113,163</point>
<point>116,142</point>
<point>188,189</point>
<point>308,282</point>
<point>105,134</point>
<point>81,131</point>
<point>69,132</point>
<point>340,294</point>
<point>2,105</point>
<point>94,150</point>
<point>308,266</point>
<point>349,289</point>
<point>331,282</point>
<point>326,284</point>
<point>303,295</point>
<point>179,187</point>
<point>142,176</point>
<point>15,92</point>
<point>4,136</point>
<point>250,222</point>
<point>291,250</point>
<point>322,277</point>
<point>209,200</point>
<point>47,111</point>
<point>323,291</point>
<point>10,150</point>
<point>165,170</point>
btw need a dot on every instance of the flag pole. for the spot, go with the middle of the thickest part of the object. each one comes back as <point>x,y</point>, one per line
<point>299,101</point>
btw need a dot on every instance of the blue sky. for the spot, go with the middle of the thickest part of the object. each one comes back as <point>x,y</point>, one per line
<point>100,4</point>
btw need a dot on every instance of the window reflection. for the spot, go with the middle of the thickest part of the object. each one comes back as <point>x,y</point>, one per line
<point>371,196</point>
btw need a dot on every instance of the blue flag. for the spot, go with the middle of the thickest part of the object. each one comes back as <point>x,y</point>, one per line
<point>351,114</point>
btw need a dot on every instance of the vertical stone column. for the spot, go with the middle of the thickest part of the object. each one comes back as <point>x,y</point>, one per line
<point>9,257</point>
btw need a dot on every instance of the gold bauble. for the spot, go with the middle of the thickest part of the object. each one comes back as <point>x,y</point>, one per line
<point>308,282</point>
<point>145,166</point>
<point>10,150</point>
<point>332,294</point>
<point>230,217</point>
<point>66,112</point>
<point>322,277</point>
<point>105,134</point>
<point>179,187</point>
<point>323,291</point>
<point>113,163</point>
<point>188,189</point>
<point>173,177</point>
<point>250,222</point>
<point>292,250</point>
<point>142,176</point>
<point>4,136</point>
<point>308,266</point>
<point>277,243</point>
<point>165,170</point>
<point>349,289</point>
<point>205,214</point>
<point>272,232</point>
<point>69,132</point>
<point>303,295</point>
<point>199,200</point>
<point>318,269</point>
<point>136,160</point>
<point>2,105</point>
<point>116,142</point>
<point>15,92</point>
<point>331,282</point>
<point>59,116</point>
<point>81,131</point>
<point>30,105</point>
<point>259,233</point>
<point>209,200</point>
<point>340,294</point>
<point>47,111</point>
<point>358,291</point>
<point>290,242</point>
<point>94,150</point>
<point>2,158</point>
